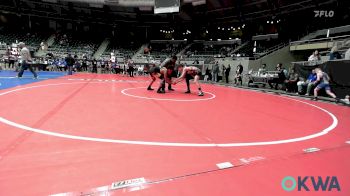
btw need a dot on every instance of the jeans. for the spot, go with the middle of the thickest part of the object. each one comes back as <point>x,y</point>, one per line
<point>215,77</point>
<point>25,66</point>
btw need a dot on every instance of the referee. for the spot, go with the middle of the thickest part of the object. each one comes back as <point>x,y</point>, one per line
<point>26,60</point>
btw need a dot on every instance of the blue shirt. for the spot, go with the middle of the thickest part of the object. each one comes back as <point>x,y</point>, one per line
<point>312,77</point>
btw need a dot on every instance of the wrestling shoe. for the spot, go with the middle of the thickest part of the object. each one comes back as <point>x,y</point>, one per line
<point>187,92</point>
<point>200,94</point>
<point>150,89</point>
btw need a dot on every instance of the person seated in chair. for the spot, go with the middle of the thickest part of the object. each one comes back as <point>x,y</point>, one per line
<point>291,82</point>
<point>309,83</point>
<point>281,77</point>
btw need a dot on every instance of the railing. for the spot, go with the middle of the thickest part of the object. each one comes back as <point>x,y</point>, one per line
<point>337,38</point>
<point>271,50</point>
<point>196,58</point>
<point>201,53</point>
<point>325,53</point>
<point>313,63</point>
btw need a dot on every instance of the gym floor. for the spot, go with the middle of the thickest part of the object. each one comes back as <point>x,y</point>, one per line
<point>93,134</point>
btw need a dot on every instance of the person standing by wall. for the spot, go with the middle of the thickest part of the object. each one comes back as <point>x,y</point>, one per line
<point>94,66</point>
<point>207,72</point>
<point>223,72</point>
<point>227,72</point>
<point>238,76</point>
<point>131,68</point>
<point>70,62</point>
<point>215,71</point>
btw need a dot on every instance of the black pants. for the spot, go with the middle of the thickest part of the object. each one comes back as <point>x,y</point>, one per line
<point>94,69</point>
<point>188,78</point>
<point>292,86</point>
<point>131,72</point>
<point>11,64</point>
<point>25,66</point>
<point>275,81</point>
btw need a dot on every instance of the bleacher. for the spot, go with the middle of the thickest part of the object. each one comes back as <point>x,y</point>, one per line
<point>32,40</point>
<point>120,50</point>
<point>323,39</point>
<point>333,32</point>
<point>246,50</point>
<point>165,48</point>
<point>76,45</point>
<point>214,48</point>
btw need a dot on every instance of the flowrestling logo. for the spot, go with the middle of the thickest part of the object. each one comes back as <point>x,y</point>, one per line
<point>311,183</point>
<point>324,13</point>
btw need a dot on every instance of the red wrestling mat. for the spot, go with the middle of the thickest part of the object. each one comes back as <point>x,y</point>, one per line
<point>79,134</point>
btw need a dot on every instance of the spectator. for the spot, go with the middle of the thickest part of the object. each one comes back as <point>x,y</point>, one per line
<point>84,65</point>
<point>215,71</point>
<point>112,61</point>
<point>62,65</point>
<point>140,70</point>
<point>70,62</point>
<point>262,70</point>
<point>227,72</point>
<point>103,65</point>
<point>223,72</point>
<point>291,82</point>
<point>238,76</point>
<point>315,56</point>
<point>125,68</point>
<point>347,54</point>
<point>309,83</point>
<point>94,66</point>
<point>131,68</point>
<point>207,74</point>
<point>281,76</point>
<point>334,54</point>
<point>77,66</point>
<point>12,59</point>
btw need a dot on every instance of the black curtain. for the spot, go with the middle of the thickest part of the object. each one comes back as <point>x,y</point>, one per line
<point>339,72</point>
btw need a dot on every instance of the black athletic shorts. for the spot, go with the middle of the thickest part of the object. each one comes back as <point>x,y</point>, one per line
<point>191,76</point>
<point>154,70</point>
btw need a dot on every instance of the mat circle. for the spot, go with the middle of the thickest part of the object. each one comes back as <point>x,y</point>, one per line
<point>172,144</point>
<point>124,92</point>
